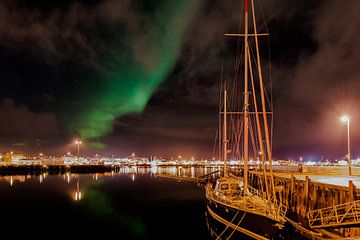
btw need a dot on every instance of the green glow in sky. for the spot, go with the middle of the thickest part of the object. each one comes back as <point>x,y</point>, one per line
<point>138,64</point>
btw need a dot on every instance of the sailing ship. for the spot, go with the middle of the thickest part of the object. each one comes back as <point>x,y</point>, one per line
<point>234,207</point>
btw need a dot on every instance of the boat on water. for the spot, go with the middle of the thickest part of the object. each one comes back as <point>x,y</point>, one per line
<point>234,207</point>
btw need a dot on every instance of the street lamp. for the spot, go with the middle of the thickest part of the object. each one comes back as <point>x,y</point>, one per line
<point>78,142</point>
<point>346,120</point>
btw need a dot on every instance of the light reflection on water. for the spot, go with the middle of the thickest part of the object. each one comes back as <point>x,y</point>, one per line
<point>130,202</point>
<point>133,171</point>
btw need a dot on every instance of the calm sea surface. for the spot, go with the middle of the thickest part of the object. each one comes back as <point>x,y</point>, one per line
<point>129,204</point>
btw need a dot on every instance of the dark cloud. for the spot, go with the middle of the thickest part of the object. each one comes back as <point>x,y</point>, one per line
<point>315,51</point>
<point>49,35</point>
<point>323,85</point>
<point>72,31</point>
<point>18,123</point>
<point>17,120</point>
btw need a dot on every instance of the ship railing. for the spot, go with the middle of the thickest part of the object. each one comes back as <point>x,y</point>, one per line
<point>256,192</point>
<point>274,210</point>
<point>280,209</point>
<point>338,215</point>
<point>274,206</point>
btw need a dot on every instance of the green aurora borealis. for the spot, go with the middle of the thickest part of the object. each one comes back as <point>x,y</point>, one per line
<point>137,65</point>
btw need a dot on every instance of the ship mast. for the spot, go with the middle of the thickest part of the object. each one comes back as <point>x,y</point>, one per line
<point>265,151</point>
<point>225,137</point>
<point>246,98</point>
<point>264,112</point>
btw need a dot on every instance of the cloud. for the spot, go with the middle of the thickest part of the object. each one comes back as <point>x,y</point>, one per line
<point>18,122</point>
<point>314,48</point>
<point>315,52</point>
<point>322,84</point>
<point>132,46</point>
<point>63,32</point>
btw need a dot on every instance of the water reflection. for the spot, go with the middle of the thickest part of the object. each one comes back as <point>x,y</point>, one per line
<point>67,177</point>
<point>132,171</point>
<point>111,200</point>
<point>42,177</point>
<point>126,170</point>
<point>133,177</point>
<point>78,193</point>
<point>12,179</point>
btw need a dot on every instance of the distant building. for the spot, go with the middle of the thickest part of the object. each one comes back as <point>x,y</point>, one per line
<point>6,157</point>
<point>17,156</point>
<point>53,161</point>
<point>10,157</point>
<point>27,161</point>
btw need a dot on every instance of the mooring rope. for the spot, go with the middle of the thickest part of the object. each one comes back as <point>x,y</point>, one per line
<point>227,226</point>
<point>237,225</point>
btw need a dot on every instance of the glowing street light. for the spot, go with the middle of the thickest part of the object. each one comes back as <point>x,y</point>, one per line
<point>346,120</point>
<point>78,142</point>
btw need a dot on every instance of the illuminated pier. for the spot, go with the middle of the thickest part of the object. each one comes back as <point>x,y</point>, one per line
<point>319,201</point>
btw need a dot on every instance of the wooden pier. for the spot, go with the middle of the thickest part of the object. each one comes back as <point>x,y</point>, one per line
<point>304,197</point>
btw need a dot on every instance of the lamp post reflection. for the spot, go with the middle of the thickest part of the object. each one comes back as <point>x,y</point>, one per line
<point>78,195</point>
<point>133,177</point>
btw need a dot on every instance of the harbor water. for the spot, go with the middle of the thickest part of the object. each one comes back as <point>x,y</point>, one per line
<point>128,204</point>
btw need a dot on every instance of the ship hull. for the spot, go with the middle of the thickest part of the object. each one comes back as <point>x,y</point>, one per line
<point>226,222</point>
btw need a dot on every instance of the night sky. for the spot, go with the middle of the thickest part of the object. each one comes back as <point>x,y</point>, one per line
<point>142,76</point>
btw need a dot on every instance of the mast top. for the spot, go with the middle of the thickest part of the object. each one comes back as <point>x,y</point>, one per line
<point>246,6</point>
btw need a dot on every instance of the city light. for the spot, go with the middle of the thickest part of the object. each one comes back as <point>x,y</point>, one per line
<point>78,142</point>
<point>345,118</point>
